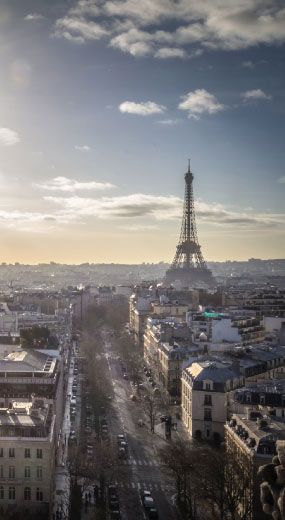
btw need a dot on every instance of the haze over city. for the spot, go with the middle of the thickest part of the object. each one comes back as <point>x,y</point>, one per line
<point>102,103</point>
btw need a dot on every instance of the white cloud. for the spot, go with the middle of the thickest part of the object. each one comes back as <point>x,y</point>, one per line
<point>8,137</point>
<point>168,122</point>
<point>28,221</point>
<point>144,109</point>
<point>198,102</point>
<point>129,206</point>
<point>137,206</point>
<point>33,16</point>
<point>215,24</point>
<point>170,52</point>
<point>82,148</point>
<point>71,185</point>
<point>78,30</point>
<point>282,179</point>
<point>253,95</point>
<point>133,41</point>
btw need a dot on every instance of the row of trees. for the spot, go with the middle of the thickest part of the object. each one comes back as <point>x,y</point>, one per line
<point>37,337</point>
<point>208,481</point>
<point>104,466</point>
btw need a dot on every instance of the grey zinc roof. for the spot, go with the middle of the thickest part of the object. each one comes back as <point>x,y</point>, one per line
<point>212,371</point>
<point>24,361</point>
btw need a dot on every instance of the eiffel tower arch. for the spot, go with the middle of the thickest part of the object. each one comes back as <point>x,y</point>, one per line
<point>188,265</point>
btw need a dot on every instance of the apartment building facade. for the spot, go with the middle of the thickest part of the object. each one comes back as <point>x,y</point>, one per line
<point>27,459</point>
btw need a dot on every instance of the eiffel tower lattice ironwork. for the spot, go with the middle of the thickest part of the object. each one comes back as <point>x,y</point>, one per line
<point>188,264</point>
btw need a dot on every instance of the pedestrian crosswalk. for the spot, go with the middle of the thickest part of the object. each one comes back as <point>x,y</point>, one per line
<point>140,486</point>
<point>138,462</point>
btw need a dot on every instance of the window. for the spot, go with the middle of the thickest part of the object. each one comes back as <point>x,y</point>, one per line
<point>1,452</point>
<point>39,495</point>
<point>39,472</point>
<point>282,413</point>
<point>27,472</point>
<point>39,453</point>
<point>27,453</point>
<point>208,399</point>
<point>207,414</point>
<point>27,493</point>
<point>12,493</point>
<point>208,386</point>
<point>2,493</point>
<point>11,452</point>
<point>1,471</point>
<point>11,471</point>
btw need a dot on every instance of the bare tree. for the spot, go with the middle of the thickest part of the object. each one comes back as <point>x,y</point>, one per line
<point>180,458</point>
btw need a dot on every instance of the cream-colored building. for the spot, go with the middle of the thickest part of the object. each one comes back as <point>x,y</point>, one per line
<point>140,309</point>
<point>162,330</point>
<point>27,458</point>
<point>204,397</point>
<point>31,410</point>
<point>170,360</point>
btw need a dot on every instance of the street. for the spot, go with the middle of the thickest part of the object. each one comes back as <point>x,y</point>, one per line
<point>141,469</point>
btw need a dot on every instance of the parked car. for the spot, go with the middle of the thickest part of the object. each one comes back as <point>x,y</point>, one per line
<point>112,490</point>
<point>114,503</point>
<point>121,438</point>
<point>153,513</point>
<point>145,493</point>
<point>122,452</point>
<point>125,376</point>
<point>148,503</point>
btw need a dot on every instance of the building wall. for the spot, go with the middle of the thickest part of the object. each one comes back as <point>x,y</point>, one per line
<point>41,471</point>
<point>223,331</point>
<point>247,462</point>
<point>272,324</point>
<point>194,407</point>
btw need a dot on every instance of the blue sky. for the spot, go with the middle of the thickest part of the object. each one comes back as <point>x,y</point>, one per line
<point>102,103</point>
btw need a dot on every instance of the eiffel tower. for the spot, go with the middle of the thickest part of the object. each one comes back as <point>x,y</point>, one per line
<point>188,265</point>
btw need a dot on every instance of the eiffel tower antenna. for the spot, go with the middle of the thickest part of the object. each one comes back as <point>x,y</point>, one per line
<point>188,264</point>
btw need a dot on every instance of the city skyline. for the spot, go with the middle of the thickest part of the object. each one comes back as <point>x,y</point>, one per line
<point>102,104</point>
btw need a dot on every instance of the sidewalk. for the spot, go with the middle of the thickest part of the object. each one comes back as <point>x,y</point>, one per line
<point>62,478</point>
<point>180,433</point>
